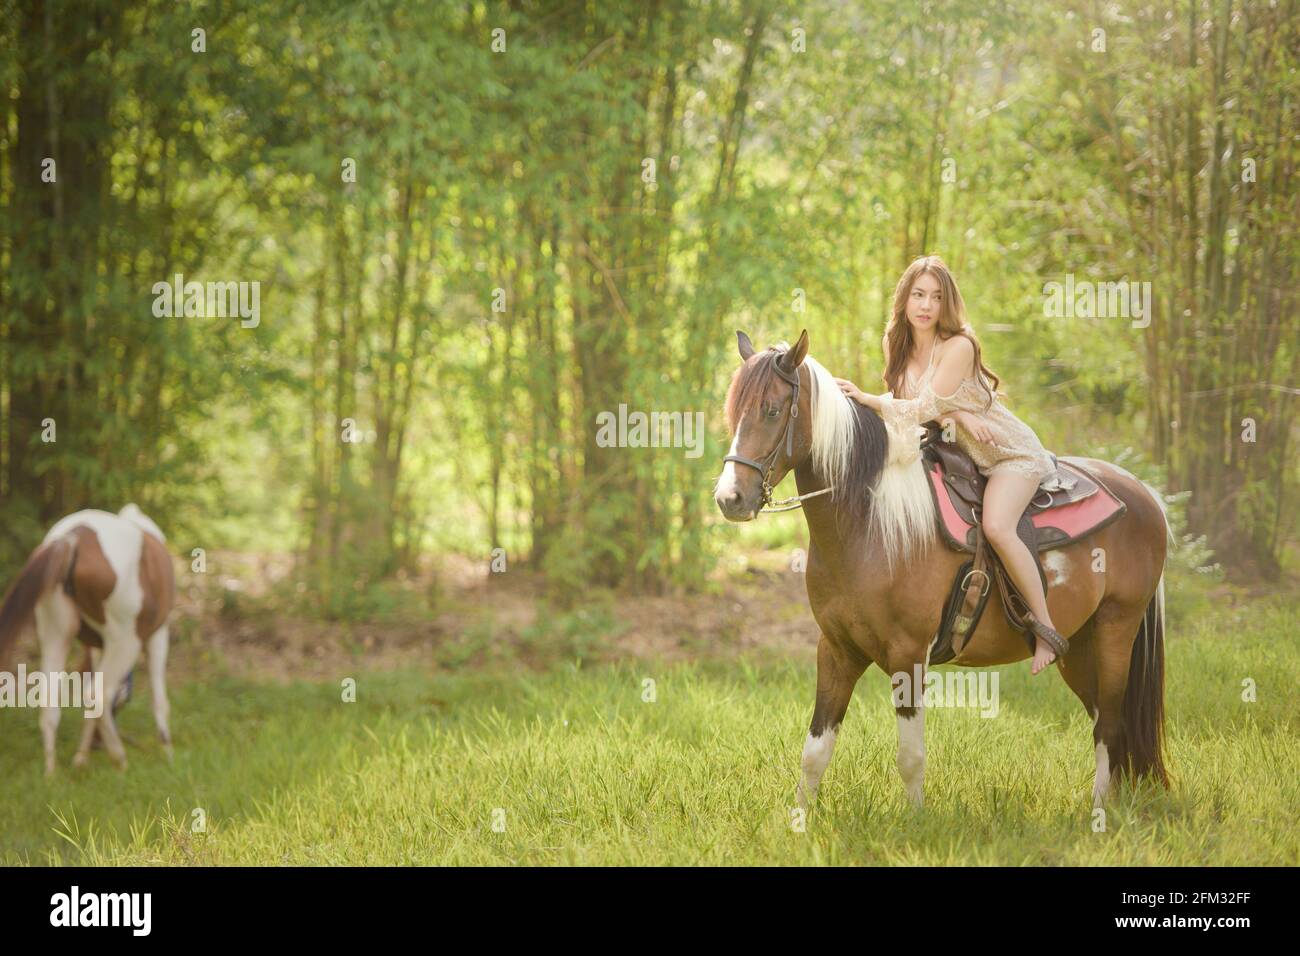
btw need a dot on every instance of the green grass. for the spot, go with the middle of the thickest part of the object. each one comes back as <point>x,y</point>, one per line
<point>587,773</point>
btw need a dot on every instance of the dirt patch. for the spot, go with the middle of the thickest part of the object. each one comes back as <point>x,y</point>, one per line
<point>231,623</point>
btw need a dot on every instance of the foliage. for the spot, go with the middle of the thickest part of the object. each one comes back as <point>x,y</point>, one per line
<point>539,234</point>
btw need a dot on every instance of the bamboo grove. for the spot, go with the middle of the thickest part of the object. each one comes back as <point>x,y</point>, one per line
<point>478,226</point>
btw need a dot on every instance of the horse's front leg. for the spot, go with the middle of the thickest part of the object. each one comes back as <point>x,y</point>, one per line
<point>837,674</point>
<point>907,679</point>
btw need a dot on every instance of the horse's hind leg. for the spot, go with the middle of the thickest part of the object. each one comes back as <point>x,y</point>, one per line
<point>837,674</point>
<point>157,653</point>
<point>1079,669</point>
<point>1116,637</point>
<point>1115,628</point>
<point>56,625</point>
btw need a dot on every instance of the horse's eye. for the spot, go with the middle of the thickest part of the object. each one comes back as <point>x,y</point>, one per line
<point>773,411</point>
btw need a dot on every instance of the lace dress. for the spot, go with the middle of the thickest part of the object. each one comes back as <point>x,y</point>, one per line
<point>1015,447</point>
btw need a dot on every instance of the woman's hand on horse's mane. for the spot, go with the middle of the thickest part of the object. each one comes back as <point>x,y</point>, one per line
<point>851,390</point>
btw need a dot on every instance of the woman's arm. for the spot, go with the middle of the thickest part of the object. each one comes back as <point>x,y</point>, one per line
<point>859,396</point>
<point>936,395</point>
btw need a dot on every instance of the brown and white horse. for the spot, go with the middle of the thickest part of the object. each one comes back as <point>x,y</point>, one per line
<point>878,577</point>
<point>106,579</point>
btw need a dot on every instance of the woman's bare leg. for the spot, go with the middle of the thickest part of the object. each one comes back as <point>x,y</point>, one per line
<point>1005,497</point>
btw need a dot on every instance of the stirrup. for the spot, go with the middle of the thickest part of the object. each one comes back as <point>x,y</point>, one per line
<point>1054,640</point>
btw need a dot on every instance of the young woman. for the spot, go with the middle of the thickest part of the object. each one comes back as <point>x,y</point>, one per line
<point>933,369</point>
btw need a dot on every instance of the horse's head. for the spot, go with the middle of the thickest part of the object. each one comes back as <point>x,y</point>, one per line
<point>768,413</point>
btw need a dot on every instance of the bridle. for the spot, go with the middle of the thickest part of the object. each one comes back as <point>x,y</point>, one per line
<point>766,466</point>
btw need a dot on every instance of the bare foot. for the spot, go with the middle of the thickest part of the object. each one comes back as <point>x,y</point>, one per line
<point>1043,656</point>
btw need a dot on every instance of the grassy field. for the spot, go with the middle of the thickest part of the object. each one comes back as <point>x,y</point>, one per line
<point>586,772</point>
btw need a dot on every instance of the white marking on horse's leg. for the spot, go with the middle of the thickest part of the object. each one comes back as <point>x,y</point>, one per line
<point>157,651</point>
<point>816,755</point>
<point>911,754</point>
<point>56,623</point>
<point>1101,787</point>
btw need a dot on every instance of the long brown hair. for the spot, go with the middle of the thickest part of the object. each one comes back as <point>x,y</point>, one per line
<point>898,341</point>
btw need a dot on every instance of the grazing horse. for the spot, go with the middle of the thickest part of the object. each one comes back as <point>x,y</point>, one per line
<point>878,578</point>
<point>107,580</point>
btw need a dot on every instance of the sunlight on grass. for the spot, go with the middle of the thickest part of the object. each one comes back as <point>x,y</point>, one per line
<point>573,767</point>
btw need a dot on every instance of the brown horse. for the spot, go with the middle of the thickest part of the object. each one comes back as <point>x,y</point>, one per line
<point>878,576</point>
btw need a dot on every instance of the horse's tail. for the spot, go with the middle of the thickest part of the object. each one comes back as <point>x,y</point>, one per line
<point>46,569</point>
<point>1144,698</point>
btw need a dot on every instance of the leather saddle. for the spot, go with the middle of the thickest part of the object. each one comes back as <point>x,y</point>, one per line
<point>1071,503</point>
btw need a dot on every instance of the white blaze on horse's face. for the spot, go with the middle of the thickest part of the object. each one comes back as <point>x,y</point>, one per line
<point>739,489</point>
<point>761,439</point>
<point>726,493</point>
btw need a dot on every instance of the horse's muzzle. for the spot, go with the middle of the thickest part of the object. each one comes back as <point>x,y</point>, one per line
<point>734,507</point>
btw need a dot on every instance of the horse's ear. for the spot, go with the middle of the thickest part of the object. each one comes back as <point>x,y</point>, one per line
<point>746,347</point>
<point>793,357</point>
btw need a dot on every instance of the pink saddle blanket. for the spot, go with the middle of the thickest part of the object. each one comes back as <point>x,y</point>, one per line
<point>1055,526</point>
